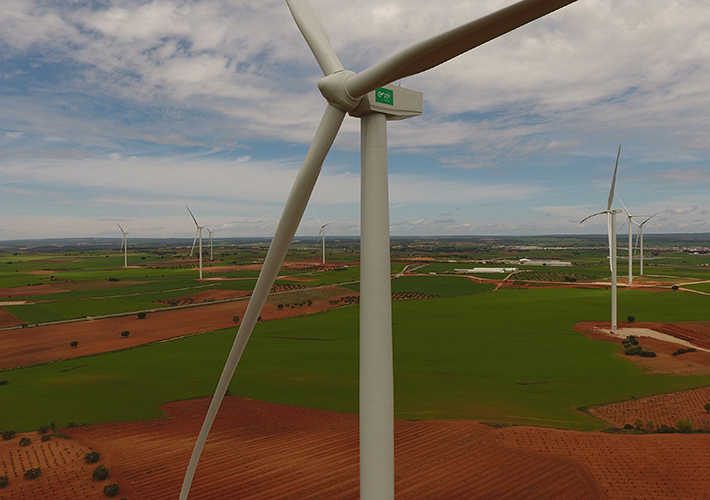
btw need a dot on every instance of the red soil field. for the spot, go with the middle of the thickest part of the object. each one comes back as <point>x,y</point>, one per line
<point>28,291</point>
<point>8,319</point>
<point>41,344</point>
<point>266,451</point>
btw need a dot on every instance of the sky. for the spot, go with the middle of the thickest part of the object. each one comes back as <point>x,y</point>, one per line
<point>126,111</point>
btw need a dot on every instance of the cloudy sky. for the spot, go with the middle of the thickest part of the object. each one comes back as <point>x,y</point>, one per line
<point>126,110</point>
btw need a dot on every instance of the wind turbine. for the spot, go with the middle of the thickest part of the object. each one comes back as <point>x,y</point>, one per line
<point>322,231</point>
<point>639,234</point>
<point>366,95</point>
<point>211,254</point>
<point>629,220</point>
<point>197,232</point>
<point>611,227</point>
<point>124,245</point>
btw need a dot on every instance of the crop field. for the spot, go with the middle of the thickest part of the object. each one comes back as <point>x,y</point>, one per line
<point>507,356</point>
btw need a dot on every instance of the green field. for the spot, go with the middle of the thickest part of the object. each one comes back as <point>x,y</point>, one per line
<point>466,357</point>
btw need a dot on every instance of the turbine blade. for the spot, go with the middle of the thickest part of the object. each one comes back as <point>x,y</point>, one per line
<point>193,241</point>
<point>290,219</point>
<point>628,214</point>
<point>613,180</point>
<point>644,222</point>
<point>193,217</point>
<point>315,35</point>
<point>439,49</point>
<point>119,227</point>
<point>622,225</point>
<point>319,222</point>
<point>611,235</point>
<point>590,216</point>
<point>636,243</point>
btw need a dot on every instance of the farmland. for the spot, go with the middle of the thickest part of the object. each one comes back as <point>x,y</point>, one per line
<point>501,349</point>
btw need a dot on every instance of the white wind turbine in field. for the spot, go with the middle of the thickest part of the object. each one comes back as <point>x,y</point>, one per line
<point>198,232</point>
<point>124,245</point>
<point>322,231</point>
<point>611,228</point>
<point>211,254</point>
<point>639,234</point>
<point>629,220</point>
<point>366,95</point>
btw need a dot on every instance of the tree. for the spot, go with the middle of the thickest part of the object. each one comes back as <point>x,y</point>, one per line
<point>125,333</point>
<point>25,441</point>
<point>3,481</point>
<point>43,429</point>
<point>8,435</point>
<point>638,423</point>
<point>111,490</point>
<point>32,473</point>
<point>235,319</point>
<point>141,315</point>
<point>707,407</point>
<point>631,319</point>
<point>685,425</point>
<point>74,344</point>
<point>92,458</point>
<point>100,473</point>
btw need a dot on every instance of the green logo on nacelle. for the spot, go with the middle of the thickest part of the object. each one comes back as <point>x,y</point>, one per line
<point>385,96</point>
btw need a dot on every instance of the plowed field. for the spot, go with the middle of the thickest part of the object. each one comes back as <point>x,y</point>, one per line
<point>8,319</point>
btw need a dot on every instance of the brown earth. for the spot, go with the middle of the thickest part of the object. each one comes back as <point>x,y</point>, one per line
<point>41,344</point>
<point>9,319</point>
<point>28,291</point>
<point>260,450</point>
<point>205,296</point>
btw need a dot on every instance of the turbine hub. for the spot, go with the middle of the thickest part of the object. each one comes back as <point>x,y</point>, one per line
<point>333,89</point>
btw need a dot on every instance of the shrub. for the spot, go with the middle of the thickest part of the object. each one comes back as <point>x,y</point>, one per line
<point>638,424</point>
<point>707,407</point>
<point>685,426</point>
<point>92,458</point>
<point>235,319</point>
<point>675,287</point>
<point>3,481</point>
<point>650,425</point>
<point>3,382</point>
<point>633,339</point>
<point>628,426</point>
<point>74,344</point>
<point>111,490</point>
<point>71,425</point>
<point>32,473</point>
<point>280,306</point>
<point>664,429</point>
<point>647,354</point>
<point>125,333</point>
<point>113,279</point>
<point>141,315</point>
<point>25,441</point>
<point>46,437</point>
<point>8,435</point>
<point>630,319</point>
<point>100,473</point>
<point>43,429</point>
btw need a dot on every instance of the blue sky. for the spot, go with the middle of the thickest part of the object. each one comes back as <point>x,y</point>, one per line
<point>125,111</point>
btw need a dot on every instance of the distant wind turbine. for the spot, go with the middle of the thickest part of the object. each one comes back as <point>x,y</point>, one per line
<point>124,245</point>
<point>198,232</point>
<point>640,235</point>
<point>322,231</point>
<point>367,95</point>
<point>211,254</point>
<point>629,220</point>
<point>611,229</point>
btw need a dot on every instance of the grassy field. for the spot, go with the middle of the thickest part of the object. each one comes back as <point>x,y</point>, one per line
<point>465,357</point>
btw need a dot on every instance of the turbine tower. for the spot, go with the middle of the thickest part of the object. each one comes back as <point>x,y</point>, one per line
<point>124,245</point>
<point>211,254</point>
<point>322,231</point>
<point>198,232</point>
<point>611,228</point>
<point>366,95</point>
<point>629,220</point>
<point>640,235</point>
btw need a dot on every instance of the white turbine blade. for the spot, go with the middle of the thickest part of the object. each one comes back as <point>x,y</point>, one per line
<point>193,217</point>
<point>119,227</point>
<point>290,219</point>
<point>194,241</point>
<point>644,222</point>
<point>439,49</point>
<point>636,243</point>
<point>622,225</point>
<point>613,180</point>
<point>628,214</point>
<point>611,235</point>
<point>319,222</point>
<point>590,216</point>
<point>315,35</point>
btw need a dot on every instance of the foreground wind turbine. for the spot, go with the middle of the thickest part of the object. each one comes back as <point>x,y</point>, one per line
<point>198,232</point>
<point>640,235</point>
<point>629,220</point>
<point>124,245</point>
<point>366,95</point>
<point>322,231</point>
<point>611,228</point>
